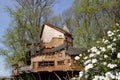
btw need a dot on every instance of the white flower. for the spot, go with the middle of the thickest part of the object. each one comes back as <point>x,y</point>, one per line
<point>114,31</point>
<point>80,74</point>
<point>118,30</point>
<point>94,49</point>
<point>113,49</point>
<point>119,35</point>
<point>104,63</point>
<point>109,46</point>
<point>80,55</point>
<point>85,57</point>
<point>77,57</point>
<point>96,78</point>
<point>92,55</point>
<point>86,62</point>
<point>117,24</point>
<point>118,55</point>
<point>114,44</point>
<point>110,33</point>
<point>105,56</point>
<point>112,76</point>
<point>103,40</point>
<point>73,78</point>
<point>114,39</point>
<point>109,75</point>
<point>106,41</point>
<point>98,52</point>
<point>94,60</point>
<point>98,41</point>
<point>88,67</point>
<point>103,49</point>
<point>111,65</point>
<point>88,50</point>
<point>101,78</point>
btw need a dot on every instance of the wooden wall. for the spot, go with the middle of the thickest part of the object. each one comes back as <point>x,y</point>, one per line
<point>49,33</point>
<point>57,57</point>
<point>53,43</point>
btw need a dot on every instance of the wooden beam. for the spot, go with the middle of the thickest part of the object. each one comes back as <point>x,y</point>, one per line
<point>57,76</point>
<point>21,78</point>
<point>72,74</point>
<point>39,76</point>
<point>33,76</point>
<point>68,75</point>
<point>49,76</point>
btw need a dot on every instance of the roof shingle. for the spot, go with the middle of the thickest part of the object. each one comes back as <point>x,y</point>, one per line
<point>75,51</point>
<point>57,48</point>
<point>70,51</point>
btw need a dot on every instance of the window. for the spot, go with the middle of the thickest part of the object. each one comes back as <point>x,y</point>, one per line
<point>46,63</point>
<point>41,64</point>
<point>60,36</point>
<point>60,62</point>
<point>51,63</point>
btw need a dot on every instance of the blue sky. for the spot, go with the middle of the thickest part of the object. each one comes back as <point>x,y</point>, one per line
<point>5,20</point>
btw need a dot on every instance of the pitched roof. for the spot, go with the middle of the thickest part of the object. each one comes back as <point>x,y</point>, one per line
<point>56,48</point>
<point>75,51</point>
<point>55,27</point>
<point>70,51</point>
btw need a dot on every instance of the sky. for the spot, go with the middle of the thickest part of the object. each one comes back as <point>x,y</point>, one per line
<point>5,20</point>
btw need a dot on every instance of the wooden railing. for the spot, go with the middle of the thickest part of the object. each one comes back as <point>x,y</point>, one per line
<point>17,71</point>
<point>24,69</point>
<point>58,68</point>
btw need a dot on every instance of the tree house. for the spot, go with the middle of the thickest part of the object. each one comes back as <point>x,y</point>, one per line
<point>57,51</point>
<point>54,52</point>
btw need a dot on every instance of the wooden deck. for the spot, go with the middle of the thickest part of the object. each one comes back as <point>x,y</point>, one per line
<point>26,69</point>
<point>57,68</point>
<point>20,70</point>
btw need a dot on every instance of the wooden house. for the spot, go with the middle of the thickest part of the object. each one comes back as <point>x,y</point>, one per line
<point>57,51</point>
<point>54,52</point>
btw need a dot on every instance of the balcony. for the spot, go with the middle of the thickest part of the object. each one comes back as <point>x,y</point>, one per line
<point>26,69</point>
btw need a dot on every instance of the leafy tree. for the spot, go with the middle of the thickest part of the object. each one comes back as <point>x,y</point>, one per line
<point>103,61</point>
<point>93,18</point>
<point>25,28</point>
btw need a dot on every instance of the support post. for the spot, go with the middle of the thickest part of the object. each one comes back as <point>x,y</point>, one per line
<point>68,76</point>
<point>33,76</point>
<point>49,76</point>
<point>57,76</point>
<point>21,78</point>
<point>39,76</point>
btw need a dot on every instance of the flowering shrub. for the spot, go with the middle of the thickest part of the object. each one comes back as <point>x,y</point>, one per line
<point>103,61</point>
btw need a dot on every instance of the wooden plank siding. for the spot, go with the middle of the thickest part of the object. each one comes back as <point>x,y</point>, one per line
<point>53,43</point>
<point>68,62</point>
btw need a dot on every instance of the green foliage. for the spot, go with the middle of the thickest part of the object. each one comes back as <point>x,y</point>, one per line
<point>103,58</point>
<point>25,28</point>
<point>94,18</point>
